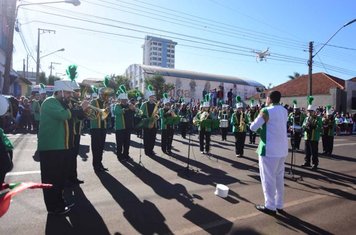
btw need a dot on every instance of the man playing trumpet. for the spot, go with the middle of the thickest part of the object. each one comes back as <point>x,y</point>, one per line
<point>167,117</point>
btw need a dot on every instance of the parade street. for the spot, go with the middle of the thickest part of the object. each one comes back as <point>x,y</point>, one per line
<point>165,195</point>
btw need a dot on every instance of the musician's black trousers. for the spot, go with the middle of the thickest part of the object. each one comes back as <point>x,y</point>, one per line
<point>54,170</point>
<point>72,165</point>
<point>204,135</point>
<point>183,128</point>
<point>328,144</point>
<point>123,138</point>
<point>224,133</point>
<point>167,139</point>
<point>311,150</point>
<point>295,139</point>
<point>240,142</point>
<point>252,136</point>
<point>149,139</point>
<point>98,136</point>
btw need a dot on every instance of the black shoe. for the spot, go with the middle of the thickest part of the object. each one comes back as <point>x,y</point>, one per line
<point>314,168</point>
<point>62,211</point>
<point>101,169</point>
<point>265,210</point>
<point>306,165</point>
<point>78,181</point>
<point>281,211</point>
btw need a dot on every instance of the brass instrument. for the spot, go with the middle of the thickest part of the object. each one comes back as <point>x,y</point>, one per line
<point>242,122</point>
<point>154,116</point>
<point>93,112</point>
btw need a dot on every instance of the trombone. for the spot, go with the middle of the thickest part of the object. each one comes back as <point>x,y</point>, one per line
<point>93,112</point>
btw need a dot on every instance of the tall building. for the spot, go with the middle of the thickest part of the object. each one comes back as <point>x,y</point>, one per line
<point>159,52</point>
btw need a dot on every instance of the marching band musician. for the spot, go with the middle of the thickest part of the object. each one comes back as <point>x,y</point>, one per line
<point>138,113</point>
<point>312,126</point>
<point>75,124</point>
<point>252,113</point>
<point>55,149</point>
<point>239,127</point>
<point>185,117</point>
<point>329,126</point>
<point>124,122</point>
<point>98,128</point>
<point>6,147</point>
<point>167,126</point>
<point>295,120</point>
<point>223,117</point>
<point>202,120</point>
<point>150,112</point>
<point>36,105</point>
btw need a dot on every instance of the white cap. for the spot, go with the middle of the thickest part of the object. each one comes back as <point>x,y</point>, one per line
<point>94,95</point>
<point>206,104</point>
<point>75,85</point>
<point>63,85</point>
<point>42,91</point>
<point>311,107</point>
<point>4,105</point>
<point>166,100</point>
<point>150,93</point>
<point>225,106</point>
<point>123,96</point>
<point>239,105</point>
<point>330,111</point>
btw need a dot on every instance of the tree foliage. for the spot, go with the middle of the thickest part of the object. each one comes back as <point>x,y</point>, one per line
<point>52,79</point>
<point>294,76</point>
<point>159,85</point>
<point>120,80</point>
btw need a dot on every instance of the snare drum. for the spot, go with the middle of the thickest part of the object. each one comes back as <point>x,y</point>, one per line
<point>297,128</point>
<point>224,123</point>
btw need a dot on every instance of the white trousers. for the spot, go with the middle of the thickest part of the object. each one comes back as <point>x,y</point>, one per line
<point>272,180</point>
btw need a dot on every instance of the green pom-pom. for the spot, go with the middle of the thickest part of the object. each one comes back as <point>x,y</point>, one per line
<point>310,100</point>
<point>150,87</point>
<point>42,86</point>
<point>295,102</point>
<point>238,99</point>
<point>137,93</point>
<point>94,89</point>
<point>106,81</point>
<point>72,72</point>
<point>328,107</point>
<point>252,101</point>
<point>122,89</point>
<point>165,95</point>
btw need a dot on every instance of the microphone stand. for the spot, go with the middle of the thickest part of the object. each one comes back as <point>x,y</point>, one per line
<point>292,157</point>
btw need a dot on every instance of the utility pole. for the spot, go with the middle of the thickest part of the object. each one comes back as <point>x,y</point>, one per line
<point>38,63</point>
<point>51,68</point>
<point>310,65</point>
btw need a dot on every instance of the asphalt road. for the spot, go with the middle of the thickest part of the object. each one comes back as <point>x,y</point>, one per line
<point>162,195</point>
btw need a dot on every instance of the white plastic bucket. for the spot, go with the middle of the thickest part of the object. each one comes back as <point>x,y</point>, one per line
<point>221,190</point>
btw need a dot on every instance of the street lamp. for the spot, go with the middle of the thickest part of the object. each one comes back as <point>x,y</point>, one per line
<point>52,52</point>
<point>311,56</point>
<point>9,46</point>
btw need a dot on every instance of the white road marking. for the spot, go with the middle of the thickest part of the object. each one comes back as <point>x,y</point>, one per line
<point>345,144</point>
<point>23,173</point>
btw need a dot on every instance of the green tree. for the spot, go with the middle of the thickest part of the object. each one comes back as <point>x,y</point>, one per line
<point>42,78</point>
<point>159,85</point>
<point>120,80</point>
<point>52,79</point>
<point>294,76</point>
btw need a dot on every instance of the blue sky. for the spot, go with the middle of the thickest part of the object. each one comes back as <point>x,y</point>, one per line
<point>213,36</point>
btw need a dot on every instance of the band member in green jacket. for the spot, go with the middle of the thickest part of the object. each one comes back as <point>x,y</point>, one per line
<point>312,126</point>
<point>328,133</point>
<point>239,122</point>
<point>6,146</point>
<point>54,144</point>
<point>167,115</point>
<point>124,122</point>
<point>98,126</point>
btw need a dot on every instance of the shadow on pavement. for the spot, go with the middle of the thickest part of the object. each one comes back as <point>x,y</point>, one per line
<point>200,216</point>
<point>143,216</point>
<point>296,224</point>
<point>82,219</point>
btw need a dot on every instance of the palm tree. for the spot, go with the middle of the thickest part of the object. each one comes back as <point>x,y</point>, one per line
<point>294,76</point>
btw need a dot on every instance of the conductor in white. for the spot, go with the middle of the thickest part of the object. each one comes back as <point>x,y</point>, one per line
<point>272,152</point>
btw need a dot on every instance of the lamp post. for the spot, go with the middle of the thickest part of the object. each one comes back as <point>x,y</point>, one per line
<point>311,56</point>
<point>11,24</point>
<point>38,60</point>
